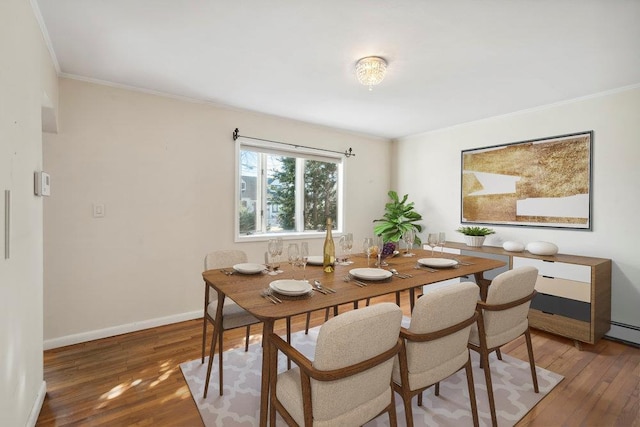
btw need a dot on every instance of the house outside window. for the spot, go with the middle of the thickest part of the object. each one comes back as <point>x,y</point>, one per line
<point>285,192</point>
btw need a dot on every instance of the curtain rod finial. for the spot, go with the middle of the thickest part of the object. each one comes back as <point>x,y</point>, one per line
<point>348,153</point>
<point>235,134</point>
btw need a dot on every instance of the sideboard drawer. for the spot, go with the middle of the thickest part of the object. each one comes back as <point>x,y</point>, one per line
<point>565,307</point>
<point>557,324</point>
<point>569,289</point>
<point>561,270</point>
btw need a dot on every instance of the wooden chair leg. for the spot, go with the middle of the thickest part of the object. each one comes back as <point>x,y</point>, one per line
<point>220,360</point>
<point>420,399</point>
<point>499,354</point>
<point>398,299</point>
<point>288,339</point>
<point>246,338</point>
<point>534,376</point>
<point>484,356</point>
<point>472,393</point>
<point>437,393</point>
<point>393,416</point>
<point>408,413</point>
<point>204,336</point>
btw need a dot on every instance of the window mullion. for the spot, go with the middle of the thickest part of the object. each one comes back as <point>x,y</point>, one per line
<point>299,183</point>
<point>261,194</point>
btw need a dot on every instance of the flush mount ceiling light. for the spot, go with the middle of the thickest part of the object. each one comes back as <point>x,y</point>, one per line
<point>370,70</point>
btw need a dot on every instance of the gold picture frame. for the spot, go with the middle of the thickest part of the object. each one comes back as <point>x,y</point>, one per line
<point>543,182</point>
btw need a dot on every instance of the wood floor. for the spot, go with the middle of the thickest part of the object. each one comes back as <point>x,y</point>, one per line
<point>135,379</point>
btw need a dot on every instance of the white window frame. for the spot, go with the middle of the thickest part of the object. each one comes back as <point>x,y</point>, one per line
<point>300,154</point>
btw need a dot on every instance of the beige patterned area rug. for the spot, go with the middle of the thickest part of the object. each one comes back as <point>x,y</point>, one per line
<point>240,404</point>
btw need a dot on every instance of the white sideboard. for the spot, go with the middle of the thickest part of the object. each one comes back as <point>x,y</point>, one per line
<point>574,292</point>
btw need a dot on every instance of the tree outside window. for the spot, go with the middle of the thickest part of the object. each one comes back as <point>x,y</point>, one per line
<point>283,193</point>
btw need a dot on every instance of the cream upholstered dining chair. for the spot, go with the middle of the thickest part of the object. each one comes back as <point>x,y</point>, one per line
<point>502,319</point>
<point>349,380</point>
<point>233,316</point>
<point>434,346</point>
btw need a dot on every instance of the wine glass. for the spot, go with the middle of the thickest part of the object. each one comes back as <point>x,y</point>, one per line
<point>378,243</point>
<point>349,243</point>
<point>342,242</point>
<point>441,241</point>
<point>273,252</point>
<point>367,248</point>
<point>276,267</point>
<point>293,253</point>
<point>304,257</point>
<point>408,237</point>
<point>432,240</point>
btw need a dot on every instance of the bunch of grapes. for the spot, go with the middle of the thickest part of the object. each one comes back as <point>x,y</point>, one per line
<point>388,249</point>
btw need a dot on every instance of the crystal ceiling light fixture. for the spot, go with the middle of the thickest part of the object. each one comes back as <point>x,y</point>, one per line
<point>370,70</point>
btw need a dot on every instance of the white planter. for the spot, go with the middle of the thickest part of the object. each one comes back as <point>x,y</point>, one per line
<point>474,241</point>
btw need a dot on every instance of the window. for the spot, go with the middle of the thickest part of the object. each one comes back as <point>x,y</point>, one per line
<point>283,191</point>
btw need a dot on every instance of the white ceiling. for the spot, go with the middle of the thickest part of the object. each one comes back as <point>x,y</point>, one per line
<point>450,61</point>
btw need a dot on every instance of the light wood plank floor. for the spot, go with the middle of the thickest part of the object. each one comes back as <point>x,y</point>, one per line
<point>135,379</point>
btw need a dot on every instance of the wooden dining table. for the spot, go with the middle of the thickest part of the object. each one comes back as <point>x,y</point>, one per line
<point>246,290</point>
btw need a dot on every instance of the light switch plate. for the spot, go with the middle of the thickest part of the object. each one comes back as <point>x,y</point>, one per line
<point>98,210</point>
<point>42,184</point>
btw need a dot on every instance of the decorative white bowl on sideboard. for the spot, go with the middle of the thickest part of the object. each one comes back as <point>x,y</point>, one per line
<point>513,246</point>
<point>542,248</point>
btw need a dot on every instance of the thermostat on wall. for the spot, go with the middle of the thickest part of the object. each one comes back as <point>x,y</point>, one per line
<point>42,184</point>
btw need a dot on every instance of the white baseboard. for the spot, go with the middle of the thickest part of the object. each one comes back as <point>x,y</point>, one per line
<point>118,330</point>
<point>37,405</point>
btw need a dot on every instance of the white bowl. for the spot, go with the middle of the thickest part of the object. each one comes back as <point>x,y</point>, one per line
<point>513,246</point>
<point>542,248</point>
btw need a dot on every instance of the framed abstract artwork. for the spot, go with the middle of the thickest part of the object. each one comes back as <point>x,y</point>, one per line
<point>542,182</point>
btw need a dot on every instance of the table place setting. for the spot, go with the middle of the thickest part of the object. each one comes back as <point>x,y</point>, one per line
<point>438,262</point>
<point>315,260</point>
<point>374,274</point>
<point>249,268</point>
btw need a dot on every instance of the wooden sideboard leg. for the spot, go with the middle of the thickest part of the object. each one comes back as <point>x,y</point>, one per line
<point>577,344</point>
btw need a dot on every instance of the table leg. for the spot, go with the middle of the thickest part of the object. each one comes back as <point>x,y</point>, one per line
<point>216,330</point>
<point>483,284</point>
<point>267,330</point>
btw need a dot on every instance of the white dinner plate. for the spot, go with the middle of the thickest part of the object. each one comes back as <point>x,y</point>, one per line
<point>315,260</point>
<point>290,287</point>
<point>438,262</point>
<point>370,273</point>
<point>248,268</point>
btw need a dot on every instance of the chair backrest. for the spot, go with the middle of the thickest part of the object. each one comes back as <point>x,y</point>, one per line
<point>505,325</point>
<point>223,259</point>
<point>347,339</point>
<point>435,311</point>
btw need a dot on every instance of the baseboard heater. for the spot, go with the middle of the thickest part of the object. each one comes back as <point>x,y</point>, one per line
<point>629,334</point>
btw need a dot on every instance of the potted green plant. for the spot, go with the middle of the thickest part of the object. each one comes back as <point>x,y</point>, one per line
<point>399,217</point>
<point>474,236</point>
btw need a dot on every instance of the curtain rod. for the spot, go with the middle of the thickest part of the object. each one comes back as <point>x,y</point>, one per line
<point>347,153</point>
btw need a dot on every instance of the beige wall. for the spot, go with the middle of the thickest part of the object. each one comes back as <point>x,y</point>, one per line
<point>27,77</point>
<point>164,169</point>
<point>428,168</point>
